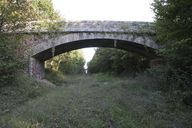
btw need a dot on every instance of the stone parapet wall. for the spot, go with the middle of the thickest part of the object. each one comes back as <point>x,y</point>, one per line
<point>110,26</point>
<point>95,26</point>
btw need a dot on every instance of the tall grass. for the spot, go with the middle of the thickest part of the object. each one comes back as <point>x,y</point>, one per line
<point>23,90</point>
<point>100,101</point>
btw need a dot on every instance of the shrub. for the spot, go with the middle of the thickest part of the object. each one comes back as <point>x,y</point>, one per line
<point>9,61</point>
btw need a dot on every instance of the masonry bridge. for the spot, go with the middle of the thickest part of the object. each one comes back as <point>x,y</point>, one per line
<point>131,36</point>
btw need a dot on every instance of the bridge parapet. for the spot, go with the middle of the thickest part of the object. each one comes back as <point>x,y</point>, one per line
<point>109,26</point>
<point>94,26</point>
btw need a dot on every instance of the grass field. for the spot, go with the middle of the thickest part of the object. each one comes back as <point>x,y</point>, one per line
<point>98,101</point>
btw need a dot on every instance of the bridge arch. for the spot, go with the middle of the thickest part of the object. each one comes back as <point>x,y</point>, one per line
<point>75,37</point>
<point>67,42</point>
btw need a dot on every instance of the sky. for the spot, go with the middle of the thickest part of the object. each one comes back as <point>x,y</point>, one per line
<point>116,10</point>
<point>112,10</point>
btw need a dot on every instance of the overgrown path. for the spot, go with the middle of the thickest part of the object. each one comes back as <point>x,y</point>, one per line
<point>97,101</point>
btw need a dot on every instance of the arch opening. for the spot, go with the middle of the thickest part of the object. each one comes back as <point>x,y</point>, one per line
<point>108,43</point>
<point>36,68</point>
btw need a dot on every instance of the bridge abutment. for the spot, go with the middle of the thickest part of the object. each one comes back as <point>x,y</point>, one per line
<point>36,68</point>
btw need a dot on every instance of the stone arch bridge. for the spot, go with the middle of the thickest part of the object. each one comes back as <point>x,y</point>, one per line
<point>137,37</point>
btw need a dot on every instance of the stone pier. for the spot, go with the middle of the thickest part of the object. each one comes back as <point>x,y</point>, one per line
<point>36,68</point>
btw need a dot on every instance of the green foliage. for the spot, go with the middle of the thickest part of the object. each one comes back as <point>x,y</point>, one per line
<point>73,64</point>
<point>67,63</point>
<point>23,90</point>
<point>173,20</point>
<point>108,60</point>
<point>174,25</point>
<point>55,77</point>
<point>12,16</point>
<point>16,15</point>
<point>9,61</point>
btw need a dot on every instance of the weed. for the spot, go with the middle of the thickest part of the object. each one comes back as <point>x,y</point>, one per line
<point>100,101</point>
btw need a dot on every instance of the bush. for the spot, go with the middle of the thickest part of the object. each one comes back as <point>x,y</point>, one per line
<point>115,61</point>
<point>21,91</point>
<point>164,79</point>
<point>173,25</point>
<point>9,61</point>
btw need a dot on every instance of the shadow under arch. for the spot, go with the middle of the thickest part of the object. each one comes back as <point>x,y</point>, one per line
<point>108,43</point>
<point>36,64</point>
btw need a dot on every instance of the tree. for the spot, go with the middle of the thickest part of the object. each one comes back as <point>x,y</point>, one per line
<point>174,25</point>
<point>109,60</point>
<point>17,15</point>
<point>12,14</point>
<point>67,63</point>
